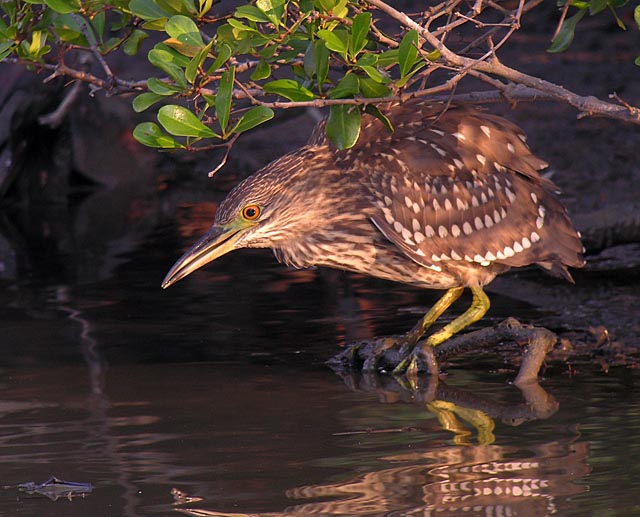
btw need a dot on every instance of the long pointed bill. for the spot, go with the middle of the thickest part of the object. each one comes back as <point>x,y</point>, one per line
<point>218,241</point>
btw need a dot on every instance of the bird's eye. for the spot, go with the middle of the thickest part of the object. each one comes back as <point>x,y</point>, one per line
<point>251,212</point>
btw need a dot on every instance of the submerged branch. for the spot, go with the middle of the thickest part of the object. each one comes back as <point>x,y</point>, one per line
<point>538,342</point>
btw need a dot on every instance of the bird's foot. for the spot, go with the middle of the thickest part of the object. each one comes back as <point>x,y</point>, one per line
<point>393,353</point>
<point>420,358</point>
<point>369,356</point>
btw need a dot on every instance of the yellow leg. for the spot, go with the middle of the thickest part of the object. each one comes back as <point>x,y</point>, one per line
<point>434,313</point>
<point>479,307</point>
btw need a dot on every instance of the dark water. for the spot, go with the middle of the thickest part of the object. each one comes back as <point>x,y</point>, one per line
<point>212,398</point>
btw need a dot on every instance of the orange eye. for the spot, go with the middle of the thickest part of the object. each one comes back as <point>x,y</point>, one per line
<point>251,212</point>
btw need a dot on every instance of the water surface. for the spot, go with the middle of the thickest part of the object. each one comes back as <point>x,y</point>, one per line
<point>212,397</point>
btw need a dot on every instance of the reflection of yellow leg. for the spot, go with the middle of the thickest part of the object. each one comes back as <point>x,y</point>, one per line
<point>448,413</point>
<point>479,307</point>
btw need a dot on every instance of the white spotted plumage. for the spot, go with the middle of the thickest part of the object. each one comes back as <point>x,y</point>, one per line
<point>451,198</point>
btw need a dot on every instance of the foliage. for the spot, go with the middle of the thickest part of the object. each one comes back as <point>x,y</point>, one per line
<point>220,73</point>
<point>567,27</point>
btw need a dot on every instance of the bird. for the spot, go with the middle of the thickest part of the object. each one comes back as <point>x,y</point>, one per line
<point>448,199</point>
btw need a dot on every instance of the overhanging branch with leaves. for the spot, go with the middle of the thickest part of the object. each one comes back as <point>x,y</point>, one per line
<point>222,72</point>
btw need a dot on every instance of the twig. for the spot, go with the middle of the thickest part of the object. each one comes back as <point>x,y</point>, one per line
<point>55,118</point>
<point>61,69</point>
<point>590,106</point>
<point>563,15</point>
<point>223,162</point>
<point>91,39</point>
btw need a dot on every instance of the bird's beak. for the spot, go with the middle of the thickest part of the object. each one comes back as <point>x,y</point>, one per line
<point>218,241</point>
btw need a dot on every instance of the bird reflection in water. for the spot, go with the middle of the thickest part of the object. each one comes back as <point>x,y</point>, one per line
<point>481,478</point>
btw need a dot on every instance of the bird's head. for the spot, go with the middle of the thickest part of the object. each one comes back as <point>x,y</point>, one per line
<point>263,210</point>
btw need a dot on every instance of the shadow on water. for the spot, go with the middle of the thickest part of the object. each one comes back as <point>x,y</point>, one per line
<point>212,398</point>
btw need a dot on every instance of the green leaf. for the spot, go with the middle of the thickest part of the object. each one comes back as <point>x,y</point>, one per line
<point>162,55</point>
<point>161,88</point>
<point>619,21</point>
<point>306,6</point>
<point>155,25</point>
<point>190,6</point>
<point>224,53</point>
<point>637,61</point>
<point>184,30</point>
<point>6,47</point>
<point>63,6</point>
<point>636,15</point>
<point>252,118</point>
<point>322,62</point>
<point>68,30</point>
<point>262,71</point>
<point>98,24</point>
<point>10,9</point>
<point>373,89</point>
<point>340,10</point>
<point>144,100</point>
<point>408,52</point>
<point>309,61</point>
<point>346,88</point>
<point>204,6</point>
<point>179,121</point>
<point>343,125</point>
<point>224,98</point>
<point>288,89</point>
<point>38,39</point>
<point>325,6</point>
<point>388,58</point>
<point>374,73</point>
<point>596,6</point>
<point>132,44</point>
<point>172,7</point>
<point>404,80</point>
<point>147,10</point>
<point>273,9</point>
<point>3,28</point>
<point>151,135</point>
<point>567,31</point>
<point>359,31</point>
<point>165,61</point>
<point>173,56</point>
<point>337,40</point>
<point>251,13</point>
<point>191,70</point>
<point>371,109</point>
<point>580,4</point>
<point>241,26</point>
<point>434,55</point>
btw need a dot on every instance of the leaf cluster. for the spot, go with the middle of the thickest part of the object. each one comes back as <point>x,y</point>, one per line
<point>267,51</point>
<point>565,33</point>
<point>220,73</point>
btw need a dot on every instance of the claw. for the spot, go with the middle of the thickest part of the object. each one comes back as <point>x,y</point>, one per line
<point>402,367</point>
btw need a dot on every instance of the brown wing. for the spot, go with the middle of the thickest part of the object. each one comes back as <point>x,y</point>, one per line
<point>461,188</point>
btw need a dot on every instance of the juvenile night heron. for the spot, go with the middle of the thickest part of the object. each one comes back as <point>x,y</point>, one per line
<point>449,200</point>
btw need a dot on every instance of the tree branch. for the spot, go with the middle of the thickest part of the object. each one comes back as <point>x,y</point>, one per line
<point>588,106</point>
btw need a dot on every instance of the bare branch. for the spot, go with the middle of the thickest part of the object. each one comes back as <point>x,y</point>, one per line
<point>588,106</point>
<point>55,118</point>
<point>228,145</point>
<point>91,39</point>
<point>60,69</point>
